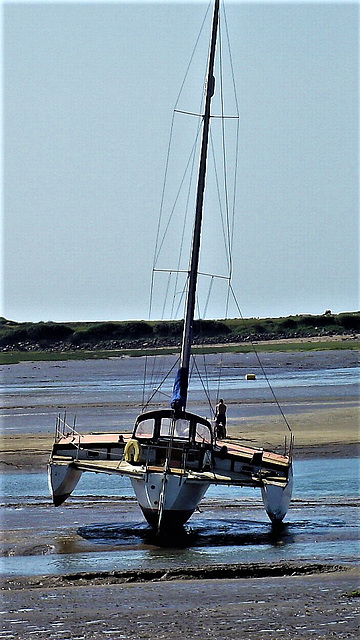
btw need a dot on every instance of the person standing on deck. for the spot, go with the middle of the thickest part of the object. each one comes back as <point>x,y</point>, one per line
<point>220,419</point>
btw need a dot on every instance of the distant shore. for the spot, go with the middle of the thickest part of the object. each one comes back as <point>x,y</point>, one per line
<point>21,341</point>
<point>65,352</point>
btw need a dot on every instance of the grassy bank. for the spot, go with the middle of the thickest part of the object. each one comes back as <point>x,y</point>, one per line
<point>13,357</point>
<point>58,341</point>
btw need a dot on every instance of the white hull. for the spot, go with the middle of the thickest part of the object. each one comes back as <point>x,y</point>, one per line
<point>167,499</point>
<point>62,480</point>
<point>277,499</point>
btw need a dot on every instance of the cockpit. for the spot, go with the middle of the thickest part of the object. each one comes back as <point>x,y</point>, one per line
<point>165,424</point>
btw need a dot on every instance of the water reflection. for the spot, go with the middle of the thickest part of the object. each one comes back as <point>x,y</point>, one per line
<point>203,533</point>
<point>101,528</point>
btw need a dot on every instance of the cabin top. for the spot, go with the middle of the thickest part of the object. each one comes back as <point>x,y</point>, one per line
<point>165,423</point>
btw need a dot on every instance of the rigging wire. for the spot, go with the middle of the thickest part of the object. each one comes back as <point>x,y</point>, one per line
<point>182,297</point>
<point>206,392</point>
<point>237,124</point>
<point>231,63</point>
<point>160,213</point>
<point>261,366</point>
<point>166,295</point>
<point>192,54</point>
<point>221,353</point>
<point>227,216</point>
<point>144,381</point>
<point>208,296</point>
<point>224,153</point>
<point>158,249</point>
<point>207,380</point>
<point>219,199</point>
<point>155,372</point>
<point>184,227</point>
<point>155,391</point>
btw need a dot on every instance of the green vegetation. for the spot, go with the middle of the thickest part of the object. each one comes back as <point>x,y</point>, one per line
<point>107,331</point>
<point>206,328</point>
<point>353,594</point>
<point>52,340</point>
<point>13,357</point>
<point>300,324</point>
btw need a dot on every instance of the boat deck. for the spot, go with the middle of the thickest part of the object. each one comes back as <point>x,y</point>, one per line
<point>142,471</point>
<point>247,452</point>
<point>114,439</point>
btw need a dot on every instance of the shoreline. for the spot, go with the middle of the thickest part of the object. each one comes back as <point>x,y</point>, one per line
<point>324,423</point>
<point>307,343</point>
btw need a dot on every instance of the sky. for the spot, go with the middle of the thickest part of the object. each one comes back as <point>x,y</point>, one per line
<point>89,92</point>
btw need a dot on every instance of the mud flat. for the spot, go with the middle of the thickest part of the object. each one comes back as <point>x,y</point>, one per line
<point>282,601</point>
<point>305,601</point>
<point>325,418</point>
<point>321,429</point>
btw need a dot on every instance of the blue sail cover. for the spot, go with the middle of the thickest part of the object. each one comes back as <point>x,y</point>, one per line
<point>178,400</point>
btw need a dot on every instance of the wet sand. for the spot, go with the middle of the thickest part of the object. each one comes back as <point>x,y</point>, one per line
<point>286,602</point>
<point>325,419</point>
<point>308,607</point>
<point>320,428</point>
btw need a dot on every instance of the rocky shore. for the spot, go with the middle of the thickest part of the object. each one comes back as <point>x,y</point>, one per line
<point>135,335</point>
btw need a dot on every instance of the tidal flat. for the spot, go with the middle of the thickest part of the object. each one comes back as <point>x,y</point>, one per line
<point>318,392</point>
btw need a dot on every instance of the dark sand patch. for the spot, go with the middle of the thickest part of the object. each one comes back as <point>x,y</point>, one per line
<point>209,572</point>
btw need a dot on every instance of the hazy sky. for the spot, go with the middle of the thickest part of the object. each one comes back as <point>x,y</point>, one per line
<point>89,90</point>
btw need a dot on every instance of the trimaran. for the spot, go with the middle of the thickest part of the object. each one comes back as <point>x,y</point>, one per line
<point>173,456</point>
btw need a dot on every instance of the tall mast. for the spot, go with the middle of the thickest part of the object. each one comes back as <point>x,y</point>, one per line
<point>181,382</point>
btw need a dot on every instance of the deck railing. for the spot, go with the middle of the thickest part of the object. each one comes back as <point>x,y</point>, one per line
<point>63,429</point>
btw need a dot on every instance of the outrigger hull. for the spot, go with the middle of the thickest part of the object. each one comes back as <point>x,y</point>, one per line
<point>62,480</point>
<point>277,499</point>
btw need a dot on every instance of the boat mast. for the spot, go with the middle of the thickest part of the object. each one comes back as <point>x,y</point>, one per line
<point>181,382</point>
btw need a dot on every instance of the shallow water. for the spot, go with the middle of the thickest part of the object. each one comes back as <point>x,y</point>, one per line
<point>106,394</point>
<point>102,528</point>
<point>314,478</point>
<point>129,388</point>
